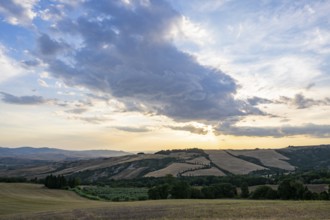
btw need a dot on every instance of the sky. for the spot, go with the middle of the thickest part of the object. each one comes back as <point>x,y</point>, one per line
<point>162,74</point>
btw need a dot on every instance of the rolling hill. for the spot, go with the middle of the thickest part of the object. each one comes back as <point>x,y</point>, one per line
<point>188,162</point>
<point>54,154</point>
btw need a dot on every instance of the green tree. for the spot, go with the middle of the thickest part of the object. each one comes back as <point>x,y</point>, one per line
<point>264,192</point>
<point>245,190</point>
<point>153,193</point>
<point>180,190</point>
<point>291,189</point>
<point>308,195</point>
<point>220,190</point>
<point>225,190</point>
<point>208,192</point>
<point>73,182</point>
<point>196,193</point>
<point>324,195</point>
<point>159,192</point>
<point>55,182</point>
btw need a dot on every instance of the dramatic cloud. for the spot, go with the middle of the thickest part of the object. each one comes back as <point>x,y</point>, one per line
<point>18,12</point>
<point>23,100</point>
<point>126,52</point>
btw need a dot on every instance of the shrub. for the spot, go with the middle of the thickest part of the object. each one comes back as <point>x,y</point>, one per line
<point>291,189</point>
<point>181,190</point>
<point>220,190</point>
<point>245,190</point>
<point>264,192</point>
<point>159,192</point>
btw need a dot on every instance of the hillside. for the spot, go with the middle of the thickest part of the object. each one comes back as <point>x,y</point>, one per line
<point>54,154</point>
<point>20,199</point>
<point>32,201</point>
<point>189,162</point>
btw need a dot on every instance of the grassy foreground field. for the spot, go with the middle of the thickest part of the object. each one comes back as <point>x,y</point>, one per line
<point>29,201</point>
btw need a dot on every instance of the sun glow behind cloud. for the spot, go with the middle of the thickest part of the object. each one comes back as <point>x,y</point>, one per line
<point>164,74</point>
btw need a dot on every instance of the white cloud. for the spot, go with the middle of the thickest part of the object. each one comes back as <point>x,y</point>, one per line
<point>52,13</point>
<point>199,6</point>
<point>18,12</point>
<point>9,67</point>
<point>140,66</point>
<point>42,83</point>
<point>188,30</point>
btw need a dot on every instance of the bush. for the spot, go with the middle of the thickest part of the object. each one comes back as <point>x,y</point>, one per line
<point>245,190</point>
<point>181,190</point>
<point>221,190</point>
<point>264,192</point>
<point>159,192</point>
<point>324,195</point>
<point>291,189</point>
<point>115,199</point>
<point>142,198</point>
<point>196,193</point>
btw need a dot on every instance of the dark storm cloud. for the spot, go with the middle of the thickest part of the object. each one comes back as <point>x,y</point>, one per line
<point>230,128</point>
<point>22,100</point>
<point>126,52</point>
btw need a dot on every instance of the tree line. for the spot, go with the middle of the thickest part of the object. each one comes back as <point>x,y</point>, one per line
<point>288,189</point>
<point>60,182</point>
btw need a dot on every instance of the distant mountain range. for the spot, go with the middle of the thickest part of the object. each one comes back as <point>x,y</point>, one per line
<point>26,162</point>
<point>54,154</point>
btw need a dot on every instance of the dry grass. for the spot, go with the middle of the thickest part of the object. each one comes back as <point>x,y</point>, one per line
<point>267,157</point>
<point>199,160</point>
<point>205,172</point>
<point>183,155</point>
<point>101,163</point>
<point>232,164</point>
<point>27,201</point>
<point>27,171</point>
<point>129,173</point>
<point>25,198</point>
<point>174,169</point>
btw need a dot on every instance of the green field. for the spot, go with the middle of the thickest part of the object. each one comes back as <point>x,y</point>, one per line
<point>30,201</point>
<point>112,194</point>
